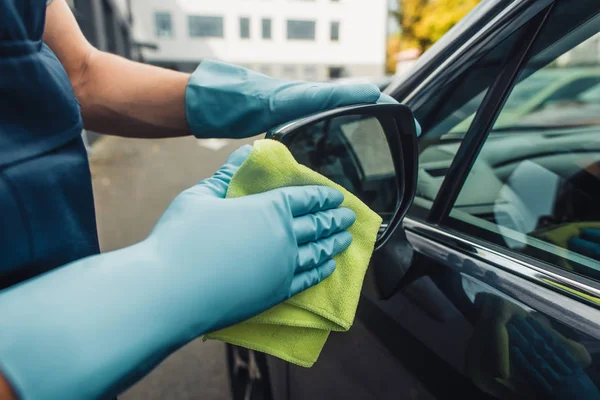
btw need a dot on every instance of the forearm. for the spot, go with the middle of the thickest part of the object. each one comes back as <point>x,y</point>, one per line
<point>89,329</point>
<point>125,98</point>
<point>6,392</point>
<point>117,96</point>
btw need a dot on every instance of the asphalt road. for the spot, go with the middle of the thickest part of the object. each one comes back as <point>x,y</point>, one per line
<point>134,181</point>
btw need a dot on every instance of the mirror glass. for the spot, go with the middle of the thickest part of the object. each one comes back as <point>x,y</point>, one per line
<point>353,151</point>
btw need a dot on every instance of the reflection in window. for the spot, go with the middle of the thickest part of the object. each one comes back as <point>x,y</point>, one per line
<point>535,186</point>
<point>163,25</point>
<point>301,30</point>
<point>446,116</point>
<point>352,151</point>
<point>204,26</point>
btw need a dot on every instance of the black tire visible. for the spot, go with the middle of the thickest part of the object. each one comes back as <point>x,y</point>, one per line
<point>242,387</point>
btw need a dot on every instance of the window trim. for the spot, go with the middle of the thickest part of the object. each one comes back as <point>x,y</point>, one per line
<point>543,274</point>
<point>468,36</point>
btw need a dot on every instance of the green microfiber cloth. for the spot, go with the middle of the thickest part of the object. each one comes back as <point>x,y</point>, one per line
<point>296,330</point>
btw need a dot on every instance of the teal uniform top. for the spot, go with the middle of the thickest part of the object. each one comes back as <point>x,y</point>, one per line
<point>46,202</point>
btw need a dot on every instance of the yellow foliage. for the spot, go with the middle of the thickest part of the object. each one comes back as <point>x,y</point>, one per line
<point>423,22</point>
<point>438,16</point>
<point>393,48</point>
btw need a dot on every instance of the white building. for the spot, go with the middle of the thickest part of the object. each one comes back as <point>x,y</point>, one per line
<point>294,39</point>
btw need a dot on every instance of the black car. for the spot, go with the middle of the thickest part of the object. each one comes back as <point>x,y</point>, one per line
<point>491,285</point>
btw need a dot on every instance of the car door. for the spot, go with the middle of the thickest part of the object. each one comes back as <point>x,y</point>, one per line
<point>491,289</point>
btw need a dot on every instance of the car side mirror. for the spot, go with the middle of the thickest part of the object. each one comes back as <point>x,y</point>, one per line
<point>370,150</point>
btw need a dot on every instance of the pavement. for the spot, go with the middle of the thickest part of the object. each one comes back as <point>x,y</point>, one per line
<point>134,182</point>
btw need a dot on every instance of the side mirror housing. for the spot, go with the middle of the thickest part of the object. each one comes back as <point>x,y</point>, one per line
<point>370,150</point>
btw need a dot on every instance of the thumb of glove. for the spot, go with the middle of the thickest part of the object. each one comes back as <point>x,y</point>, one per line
<point>217,185</point>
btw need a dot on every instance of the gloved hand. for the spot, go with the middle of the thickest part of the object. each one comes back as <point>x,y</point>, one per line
<point>488,359</point>
<point>227,101</point>
<point>386,98</point>
<point>587,243</point>
<point>92,328</point>
<point>544,365</point>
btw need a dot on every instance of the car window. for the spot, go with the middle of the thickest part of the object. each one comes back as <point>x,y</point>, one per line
<point>445,116</point>
<point>535,186</point>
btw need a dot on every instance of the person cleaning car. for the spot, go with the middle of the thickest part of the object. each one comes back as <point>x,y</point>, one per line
<point>76,324</point>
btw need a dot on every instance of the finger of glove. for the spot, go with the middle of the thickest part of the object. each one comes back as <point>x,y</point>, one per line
<point>313,254</point>
<point>562,359</point>
<point>584,247</point>
<point>556,354</point>
<point>386,98</point>
<point>297,100</point>
<point>538,352</point>
<point>311,227</point>
<point>591,235</point>
<point>310,278</point>
<point>304,200</point>
<point>525,371</point>
<point>218,184</point>
<point>577,350</point>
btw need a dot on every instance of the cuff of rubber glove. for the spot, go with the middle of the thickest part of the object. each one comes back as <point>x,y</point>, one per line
<point>205,115</point>
<point>192,102</point>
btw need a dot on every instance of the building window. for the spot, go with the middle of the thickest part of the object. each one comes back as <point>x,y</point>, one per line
<point>310,73</point>
<point>336,72</point>
<point>163,25</point>
<point>203,26</point>
<point>334,32</point>
<point>245,28</point>
<point>289,72</point>
<point>266,28</point>
<point>301,30</point>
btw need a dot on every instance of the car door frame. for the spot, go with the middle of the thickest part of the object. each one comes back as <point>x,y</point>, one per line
<point>537,271</point>
<point>567,297</point>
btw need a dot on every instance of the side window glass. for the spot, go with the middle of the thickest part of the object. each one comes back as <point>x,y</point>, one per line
<point>535,186</point>
<point>445,115</point>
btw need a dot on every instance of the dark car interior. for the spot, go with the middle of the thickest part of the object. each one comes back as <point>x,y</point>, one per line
<point>540,171</point>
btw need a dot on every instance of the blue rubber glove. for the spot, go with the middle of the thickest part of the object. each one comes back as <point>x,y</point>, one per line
<point>225,100</point>
<point>587,244</point>
<point>386,98</point>
<point>545,365</point>
<point>92,328</point>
